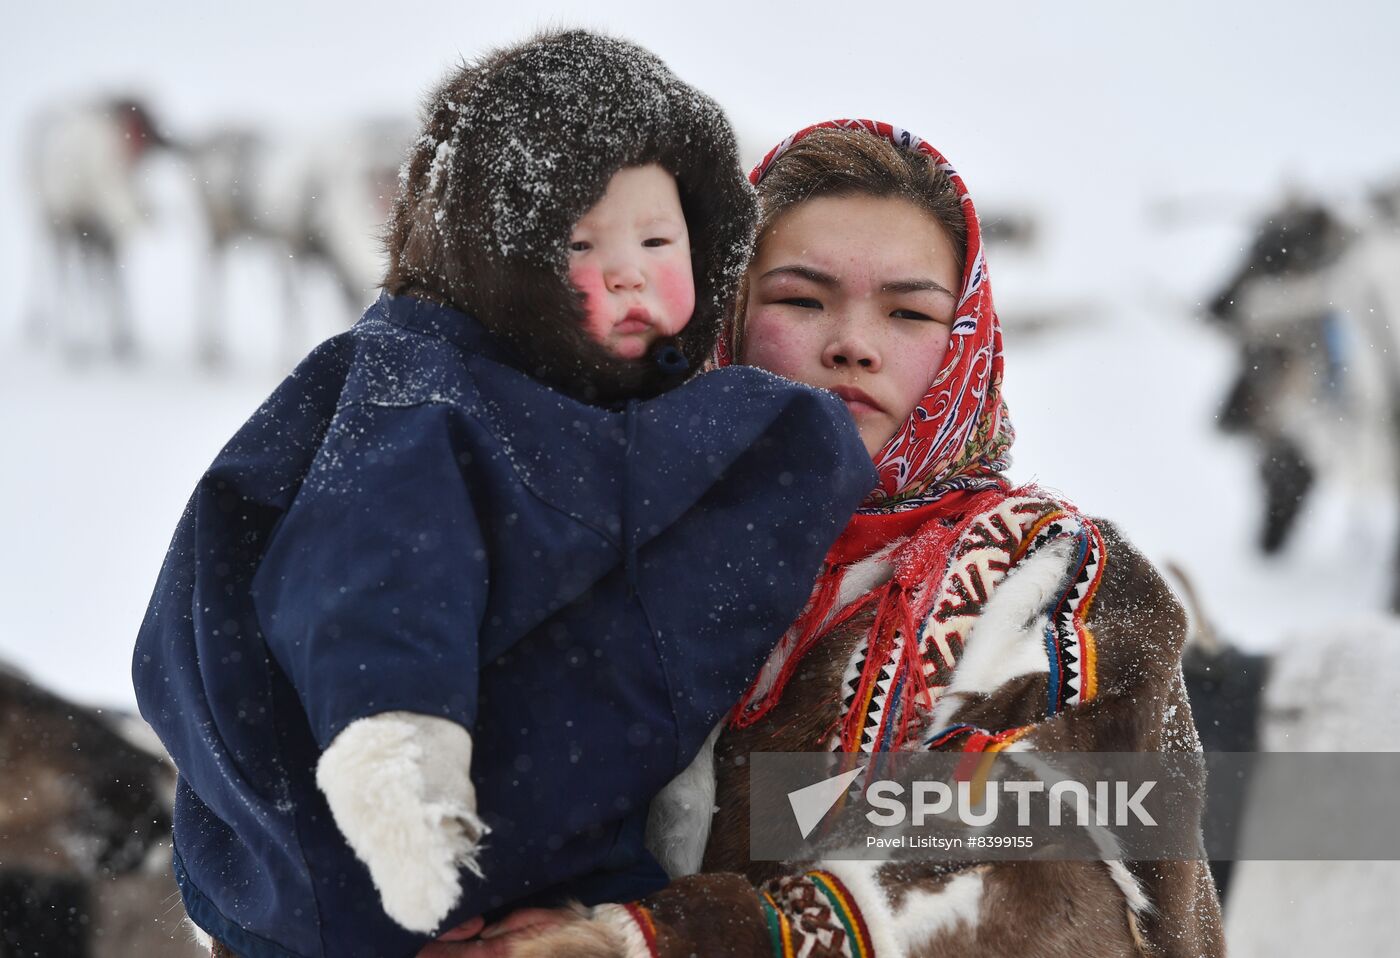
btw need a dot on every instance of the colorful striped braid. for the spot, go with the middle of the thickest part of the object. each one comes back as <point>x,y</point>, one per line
<point>943,737</point>
<point>844,905</point>
<point>814,914</point>
<point>779,927</point>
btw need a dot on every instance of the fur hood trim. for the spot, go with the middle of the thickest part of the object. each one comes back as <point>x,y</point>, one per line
<point>515,148</point>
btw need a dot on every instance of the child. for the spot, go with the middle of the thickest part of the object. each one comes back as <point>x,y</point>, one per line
<point>454,577</point>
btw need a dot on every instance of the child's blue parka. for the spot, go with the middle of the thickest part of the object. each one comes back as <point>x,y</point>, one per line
<point>412,523</point>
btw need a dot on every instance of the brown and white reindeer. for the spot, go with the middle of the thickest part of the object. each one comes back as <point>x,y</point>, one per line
<point>84,165</point>
<point>319,203</point>
<point>85,808</point>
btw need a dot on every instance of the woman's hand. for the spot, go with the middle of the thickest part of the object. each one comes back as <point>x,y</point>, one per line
<point>465,931</point>
<point>476,939</point>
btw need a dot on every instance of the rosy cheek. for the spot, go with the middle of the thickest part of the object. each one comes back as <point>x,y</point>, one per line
<point>675,287</point>
<point>773,344</point>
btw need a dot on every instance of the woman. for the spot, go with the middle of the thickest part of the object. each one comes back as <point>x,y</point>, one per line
<point>926,629</point>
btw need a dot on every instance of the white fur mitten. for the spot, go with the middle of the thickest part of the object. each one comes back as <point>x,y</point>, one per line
<point>399,787</point>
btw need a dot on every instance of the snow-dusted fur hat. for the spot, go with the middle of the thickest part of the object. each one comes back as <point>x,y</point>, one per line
<point>515,149</point>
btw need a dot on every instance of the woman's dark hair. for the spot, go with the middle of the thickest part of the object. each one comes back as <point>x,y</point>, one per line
<point>847,162</point>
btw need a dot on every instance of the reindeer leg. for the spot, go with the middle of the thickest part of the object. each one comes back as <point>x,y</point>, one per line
<point>1392,382</point>
<point>1287,478</point>
<point>82,297</point>
<point>118,308</point>
<point>1395,480</point>
<point>66,277</point>
<point>292,321</point>
<point>208,343</point>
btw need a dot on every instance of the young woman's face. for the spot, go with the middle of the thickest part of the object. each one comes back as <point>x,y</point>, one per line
<point>630,257</point>
<point>855,294</point>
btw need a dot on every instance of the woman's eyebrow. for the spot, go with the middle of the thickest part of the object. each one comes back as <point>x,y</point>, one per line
<point>915,286</point>
<point>805,272</point>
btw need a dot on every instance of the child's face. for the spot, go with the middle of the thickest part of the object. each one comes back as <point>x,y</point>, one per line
<point>630,257</point>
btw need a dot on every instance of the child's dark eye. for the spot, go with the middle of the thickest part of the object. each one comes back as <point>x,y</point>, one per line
<point>801,302</point>
<point>580,246</point>
<point>656,241</point>
<point>912,314</point>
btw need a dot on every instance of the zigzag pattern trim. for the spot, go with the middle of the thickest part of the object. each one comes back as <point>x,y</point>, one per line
<point>983,556</point>
<point>1069,643</point>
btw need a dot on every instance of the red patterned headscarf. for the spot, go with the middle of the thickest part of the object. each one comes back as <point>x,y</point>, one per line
<point>959,436</point>
<point>946,461</point>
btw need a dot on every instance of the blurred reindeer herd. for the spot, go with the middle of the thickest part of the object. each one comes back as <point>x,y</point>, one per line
<point>316,198</point>
<point>1313,309</point>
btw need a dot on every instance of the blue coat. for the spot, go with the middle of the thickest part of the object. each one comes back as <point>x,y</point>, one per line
<point>411,523</point>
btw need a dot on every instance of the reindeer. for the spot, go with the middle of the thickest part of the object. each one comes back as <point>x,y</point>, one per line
<point>84,161</point>
<point>1337,689</point>
<point>1225,685</point>
<point>1314,309</point>
<point>319,204</point>
<point>84,832</point>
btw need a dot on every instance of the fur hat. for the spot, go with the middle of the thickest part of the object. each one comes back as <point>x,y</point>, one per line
<point>515,149</point>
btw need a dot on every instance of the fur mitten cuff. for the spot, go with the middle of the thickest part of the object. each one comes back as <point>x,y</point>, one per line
<point>398,785</point>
